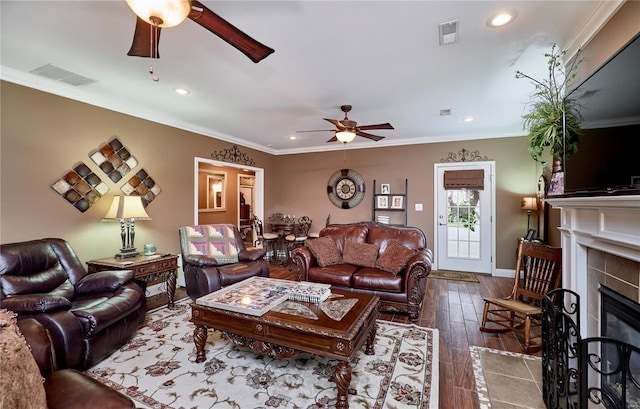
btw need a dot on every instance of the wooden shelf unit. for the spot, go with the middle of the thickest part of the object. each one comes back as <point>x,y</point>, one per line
<point>389,199</point>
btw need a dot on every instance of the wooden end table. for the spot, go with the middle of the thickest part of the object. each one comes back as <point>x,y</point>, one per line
<point>146,269</point>
<point>285,336</point>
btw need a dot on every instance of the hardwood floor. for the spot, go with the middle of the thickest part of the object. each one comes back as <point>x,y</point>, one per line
<point>455,309</point>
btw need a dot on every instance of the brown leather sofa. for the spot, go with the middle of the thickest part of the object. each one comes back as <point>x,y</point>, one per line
<point>88,315</point>
<point>203,272</point>
<point>67,388</point>
<point>401,288</point>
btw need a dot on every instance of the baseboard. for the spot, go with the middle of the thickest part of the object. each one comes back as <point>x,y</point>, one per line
<point>504,272</point>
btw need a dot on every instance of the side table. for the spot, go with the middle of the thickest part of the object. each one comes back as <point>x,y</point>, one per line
<point>146,269</point>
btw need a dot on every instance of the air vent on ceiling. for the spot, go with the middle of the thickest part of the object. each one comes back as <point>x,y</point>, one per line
<point>59,74</point>
<point>445,112</point>
<point>449,32</point>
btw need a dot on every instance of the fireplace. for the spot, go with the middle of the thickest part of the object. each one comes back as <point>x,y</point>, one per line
<point>620,320</point>
<point>601,250</point>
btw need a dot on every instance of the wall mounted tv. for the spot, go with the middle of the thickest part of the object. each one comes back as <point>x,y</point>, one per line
<point>607,160</point>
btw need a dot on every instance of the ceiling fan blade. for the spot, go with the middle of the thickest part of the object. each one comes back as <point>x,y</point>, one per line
<point>334,139</point>
<point>317,130</point>
<point>368,135</point>
<point>378,126</point>
<point>253,49</point>
<point>145,40</point>
<point>337,123</point>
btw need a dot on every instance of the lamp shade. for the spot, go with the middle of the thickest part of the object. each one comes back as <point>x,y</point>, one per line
<point>345,136</point>
<point>126,208</point>
<point>163,13</point>
<point>529,203</point>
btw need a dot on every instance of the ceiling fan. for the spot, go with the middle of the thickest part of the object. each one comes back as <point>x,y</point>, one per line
<point>150,20</point>
<point>347,129</point>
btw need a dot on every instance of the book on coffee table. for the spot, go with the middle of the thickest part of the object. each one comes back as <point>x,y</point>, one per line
<point>258,295</point>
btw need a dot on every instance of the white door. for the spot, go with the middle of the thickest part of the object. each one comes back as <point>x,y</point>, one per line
<point>464,229</point>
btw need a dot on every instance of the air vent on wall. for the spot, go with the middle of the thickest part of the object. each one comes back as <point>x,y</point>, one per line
<point>59,74</point>
<point>449,32</point>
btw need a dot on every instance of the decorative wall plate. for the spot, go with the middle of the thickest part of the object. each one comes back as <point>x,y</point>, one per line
<point>346,188</point>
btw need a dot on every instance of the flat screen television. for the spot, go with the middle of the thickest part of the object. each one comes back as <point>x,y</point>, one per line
<point>607,160</point>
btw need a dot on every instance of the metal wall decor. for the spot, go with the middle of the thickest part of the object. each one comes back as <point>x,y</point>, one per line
<point>464,155</point>
<point>141,184</point>
<point>233,155</point>
<point>114,160</point>
<point>80,187</point>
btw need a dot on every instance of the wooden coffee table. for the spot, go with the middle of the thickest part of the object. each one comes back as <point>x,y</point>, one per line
<point>285,336</point>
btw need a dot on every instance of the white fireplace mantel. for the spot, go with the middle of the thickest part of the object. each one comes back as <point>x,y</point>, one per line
<point>607,223</point>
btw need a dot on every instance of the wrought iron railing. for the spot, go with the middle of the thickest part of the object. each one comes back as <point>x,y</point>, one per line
<point>583,373</point>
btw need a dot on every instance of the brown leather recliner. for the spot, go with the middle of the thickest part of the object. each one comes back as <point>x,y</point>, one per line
<point>214,256</point>
<point>67,388</point>
<point>89,316</point>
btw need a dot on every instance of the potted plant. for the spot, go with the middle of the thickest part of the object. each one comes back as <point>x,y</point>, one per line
<point>544,119</point>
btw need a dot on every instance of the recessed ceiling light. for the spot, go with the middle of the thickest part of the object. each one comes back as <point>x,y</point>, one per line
<point>502,18</point>
<point>467,119</point>
<point>181,91</point>
<point>293,137</point>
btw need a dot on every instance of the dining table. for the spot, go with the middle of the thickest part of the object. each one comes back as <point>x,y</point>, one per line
<point>282,228</point>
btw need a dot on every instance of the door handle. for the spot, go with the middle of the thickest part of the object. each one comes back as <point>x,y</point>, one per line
<point>442,224</point>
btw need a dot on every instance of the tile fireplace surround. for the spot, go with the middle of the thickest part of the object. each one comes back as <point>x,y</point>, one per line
<point>601,245</point>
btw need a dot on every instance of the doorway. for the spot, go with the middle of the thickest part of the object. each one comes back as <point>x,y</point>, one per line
<point>257,189</point>
<point>464,196</point>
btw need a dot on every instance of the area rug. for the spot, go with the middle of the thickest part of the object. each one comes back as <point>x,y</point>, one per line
<point>157,369</point>
<point>525,394</point>
<point>454,275</point>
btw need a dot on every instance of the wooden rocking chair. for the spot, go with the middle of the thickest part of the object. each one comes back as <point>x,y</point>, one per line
<point>541,268</point>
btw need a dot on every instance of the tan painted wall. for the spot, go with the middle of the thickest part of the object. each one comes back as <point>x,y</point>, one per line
<point>43,136</point>
<point>57,133</point>
<point>305,178</point>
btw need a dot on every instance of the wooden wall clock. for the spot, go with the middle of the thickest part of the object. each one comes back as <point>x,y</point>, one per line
<point>346,188</point>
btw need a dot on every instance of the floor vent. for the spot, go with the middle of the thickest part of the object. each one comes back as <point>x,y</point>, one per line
<point>59,74</point>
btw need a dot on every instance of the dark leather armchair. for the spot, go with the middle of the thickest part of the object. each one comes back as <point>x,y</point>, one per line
<point>88,315</point>
<point>214,256</point>
<point>67,388</point>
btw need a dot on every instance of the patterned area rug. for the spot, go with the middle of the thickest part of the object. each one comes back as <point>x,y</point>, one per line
<point>454,275</point>
<point>157,369</point>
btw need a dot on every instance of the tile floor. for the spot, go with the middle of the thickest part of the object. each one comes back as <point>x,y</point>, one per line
<point>507,380</point>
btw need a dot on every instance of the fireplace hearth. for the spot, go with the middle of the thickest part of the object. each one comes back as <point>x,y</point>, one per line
<point>595,371</point>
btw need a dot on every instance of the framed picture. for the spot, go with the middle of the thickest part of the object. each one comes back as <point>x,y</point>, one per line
<point>556,186</point>
<point>397,202</point>
<point>385,188</point>
<point>382,202</point>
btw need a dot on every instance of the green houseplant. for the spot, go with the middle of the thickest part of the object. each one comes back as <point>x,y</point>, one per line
<point>544,119</point>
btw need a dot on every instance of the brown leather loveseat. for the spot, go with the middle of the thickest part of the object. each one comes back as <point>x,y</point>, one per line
<point>88,316</point>
<point>389,261</point>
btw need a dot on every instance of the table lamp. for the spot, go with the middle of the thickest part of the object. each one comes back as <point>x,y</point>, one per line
<point>529,203</point>
<point>126,210</point>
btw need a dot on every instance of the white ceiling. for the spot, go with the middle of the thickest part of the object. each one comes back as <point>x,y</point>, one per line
<point>381,57</point>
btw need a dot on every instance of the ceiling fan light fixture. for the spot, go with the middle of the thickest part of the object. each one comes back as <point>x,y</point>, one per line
<point>345,136</point>
<point>163,13</point>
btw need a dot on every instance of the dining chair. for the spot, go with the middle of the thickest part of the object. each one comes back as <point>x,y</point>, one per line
<point>538,271</point>
<point>298,236</point>
<point>268,240</point>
